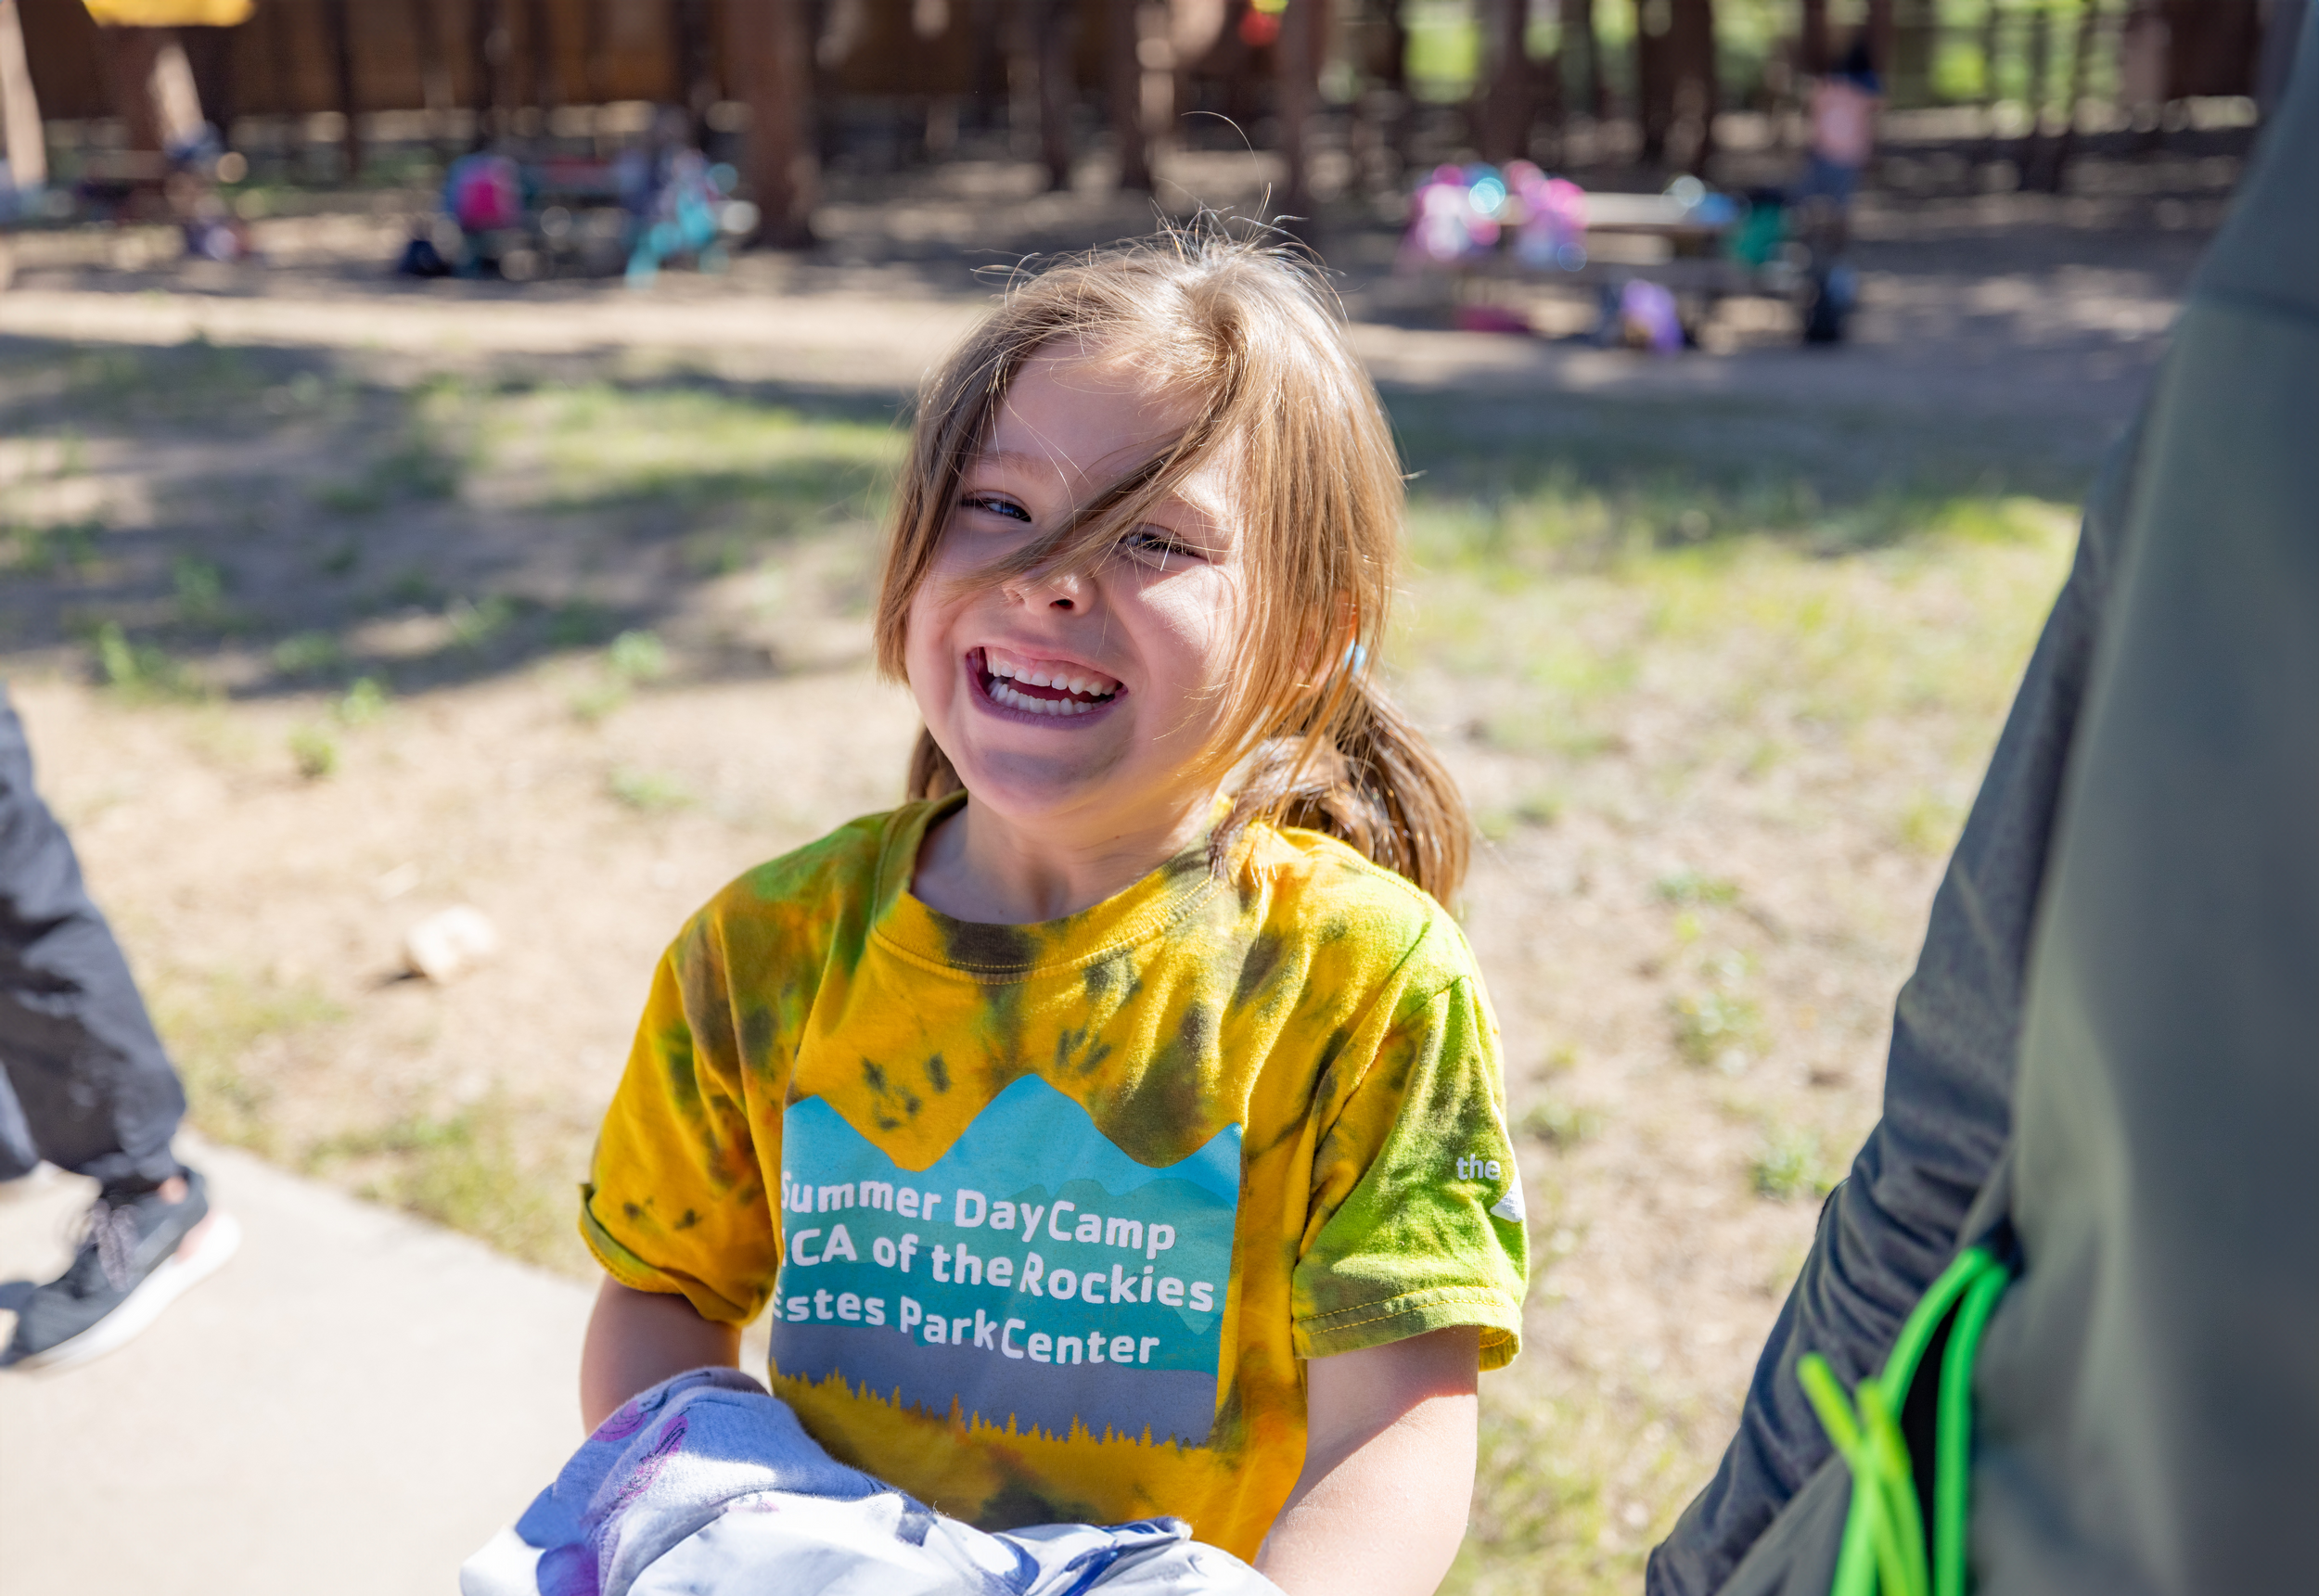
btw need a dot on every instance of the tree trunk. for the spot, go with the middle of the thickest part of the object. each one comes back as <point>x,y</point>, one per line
<point>337,26</point>
<point>1812,46</point>
<point>1582,59</point>
<point>491,44</point>
<point>1501,114</point>
<point>437,89</point>
<point>1293,85</point>
<point>1653,76</point>
<point>2081,63</point>
<point>696,87</point>
<point>538,36</point>
<point>1691,44</point>
<point>1120,44</point>
<point>27,144</point>
<point>767,51</point>
<point>1058,88</point>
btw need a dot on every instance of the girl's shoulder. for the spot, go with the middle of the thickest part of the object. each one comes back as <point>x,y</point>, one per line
<point>1330,889</point>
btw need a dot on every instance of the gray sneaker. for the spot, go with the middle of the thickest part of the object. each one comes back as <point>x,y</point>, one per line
<point>138,1253</point>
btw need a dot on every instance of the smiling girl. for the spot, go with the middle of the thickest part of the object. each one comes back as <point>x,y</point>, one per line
<point>1116,1128</point>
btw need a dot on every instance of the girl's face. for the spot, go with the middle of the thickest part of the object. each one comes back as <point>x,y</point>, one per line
<point>1080,702</point>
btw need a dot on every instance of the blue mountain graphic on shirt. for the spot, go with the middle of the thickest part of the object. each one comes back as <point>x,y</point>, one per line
<point>1033,1271</point>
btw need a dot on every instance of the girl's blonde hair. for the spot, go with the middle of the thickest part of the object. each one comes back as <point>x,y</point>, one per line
<point>1251,336</point>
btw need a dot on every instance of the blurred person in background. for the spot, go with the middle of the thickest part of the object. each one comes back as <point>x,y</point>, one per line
<point>2101,1071</point>
<point>85,1085</point>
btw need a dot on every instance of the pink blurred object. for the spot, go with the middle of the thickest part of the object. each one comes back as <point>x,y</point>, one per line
<point>486,192</point>
<point>1444,225</point>
<point>1489,319</point>
<point>1553,229</point>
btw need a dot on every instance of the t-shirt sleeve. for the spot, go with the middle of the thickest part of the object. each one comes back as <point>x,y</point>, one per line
<point>675,1199</point>
<point>1417,1220</point>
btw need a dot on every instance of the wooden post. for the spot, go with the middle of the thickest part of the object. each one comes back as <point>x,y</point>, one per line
<point>1126,75</point>
<point>337,26</point>
<point>1293,87</point>
<point>27,144</point>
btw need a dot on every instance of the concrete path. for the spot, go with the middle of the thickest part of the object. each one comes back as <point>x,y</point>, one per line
<point>351,1405</point>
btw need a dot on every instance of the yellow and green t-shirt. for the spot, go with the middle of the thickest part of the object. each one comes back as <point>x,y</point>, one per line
<point>1048,1214</point>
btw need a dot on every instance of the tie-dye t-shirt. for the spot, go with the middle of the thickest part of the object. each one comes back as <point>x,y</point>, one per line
<point>1048,1214</point>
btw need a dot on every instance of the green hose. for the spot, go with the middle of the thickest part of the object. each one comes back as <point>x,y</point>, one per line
<point>1884,1551</point>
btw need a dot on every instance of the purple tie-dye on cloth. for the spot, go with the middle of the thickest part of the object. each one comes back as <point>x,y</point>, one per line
<point>705,1484</point>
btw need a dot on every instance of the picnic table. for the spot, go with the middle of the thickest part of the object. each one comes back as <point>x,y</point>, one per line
<point>1700,253</point>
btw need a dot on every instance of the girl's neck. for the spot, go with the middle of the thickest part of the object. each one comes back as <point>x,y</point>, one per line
<point>979,866</point>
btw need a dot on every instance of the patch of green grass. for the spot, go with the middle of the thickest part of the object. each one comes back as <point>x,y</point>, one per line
<point>315,752</point>
<point>648,792</point>
<point>1690,888</point>
<point>579,624</point>
<point>633,658</point>
<point>474,623</point>
<point>228,1035</point>
<point>462,1171</point>
<point>1720,1028</point>
<point>1537,808</point>
<point>306,653</point>
<point>52,548</point>
<point>1791,1163</point>
<point>1560,1123</point>
<point>637,656</point>
<point>142,673</point>
<point>200,586</point>
<point>421,466</point>
<point>1929,824</point>
<point>1567,1495</point>
<point>363,703</point>
<point>723,470</point>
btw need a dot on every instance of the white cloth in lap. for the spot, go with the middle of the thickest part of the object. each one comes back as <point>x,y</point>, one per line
<point>706,1486</point>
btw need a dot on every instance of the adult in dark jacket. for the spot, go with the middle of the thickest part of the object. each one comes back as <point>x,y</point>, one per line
<point>2133,912</point>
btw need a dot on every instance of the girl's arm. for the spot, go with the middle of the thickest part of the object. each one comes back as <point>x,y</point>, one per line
<point>638,1338</point>
<point>1389,1470</point>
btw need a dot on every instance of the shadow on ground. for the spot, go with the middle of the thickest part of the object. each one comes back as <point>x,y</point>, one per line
<point>200,520</point>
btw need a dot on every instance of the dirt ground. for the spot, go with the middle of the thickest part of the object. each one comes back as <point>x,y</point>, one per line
<point>333,600</point>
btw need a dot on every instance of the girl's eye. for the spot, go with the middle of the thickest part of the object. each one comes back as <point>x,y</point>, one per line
<point>997,504</point>
<point>1157,546</point>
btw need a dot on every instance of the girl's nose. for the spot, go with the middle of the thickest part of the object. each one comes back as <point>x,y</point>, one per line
<point>1065,590</point>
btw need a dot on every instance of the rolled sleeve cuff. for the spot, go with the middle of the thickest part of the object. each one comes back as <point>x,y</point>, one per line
<point>637,1276</point>
<point>1394,1318</point>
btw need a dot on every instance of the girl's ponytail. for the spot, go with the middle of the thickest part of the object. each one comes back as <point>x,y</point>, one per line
<point>1371,781</point>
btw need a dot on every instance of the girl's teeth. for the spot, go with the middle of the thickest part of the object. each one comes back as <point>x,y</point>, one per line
<point>1002,693</point>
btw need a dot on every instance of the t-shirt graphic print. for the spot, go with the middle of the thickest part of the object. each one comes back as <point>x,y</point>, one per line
<point>1034,1277</point>
<point>1049,1214</point>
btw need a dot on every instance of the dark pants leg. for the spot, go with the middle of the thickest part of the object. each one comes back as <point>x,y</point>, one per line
<point>83,1081</point>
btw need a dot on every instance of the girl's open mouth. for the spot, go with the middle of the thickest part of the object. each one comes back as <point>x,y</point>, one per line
<point>1054,688</point>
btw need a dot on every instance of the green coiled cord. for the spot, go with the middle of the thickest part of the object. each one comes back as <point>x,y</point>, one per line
<point>1884,1551</point>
